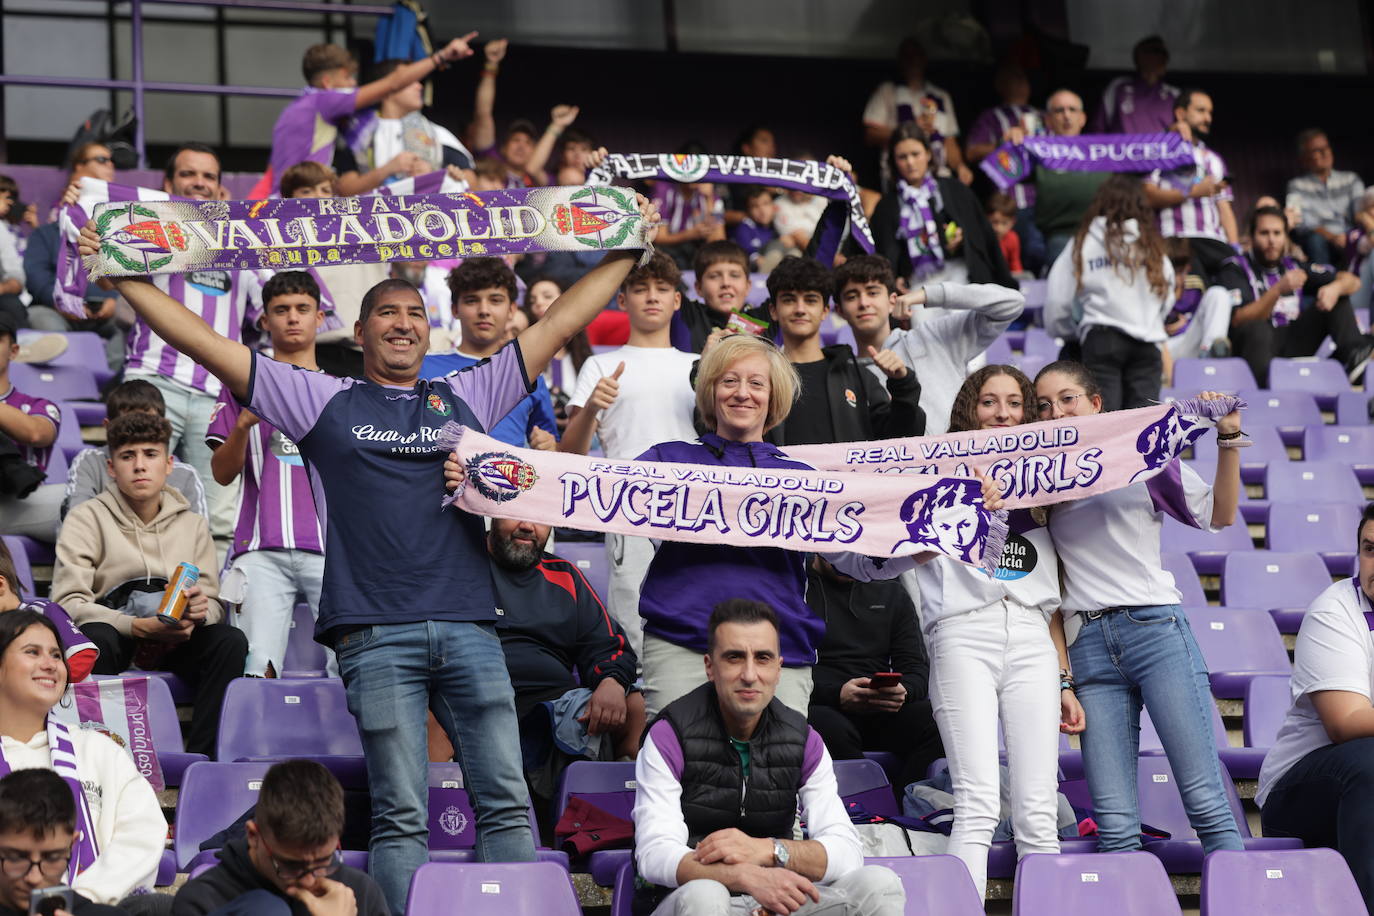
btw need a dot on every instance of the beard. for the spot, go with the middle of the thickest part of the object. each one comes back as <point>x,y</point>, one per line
<point>514,556</point>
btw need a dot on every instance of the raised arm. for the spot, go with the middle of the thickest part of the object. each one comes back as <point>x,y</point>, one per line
<point>482,130</point>
<point>372,93</point>
<point>559,120</point>
<point>229,361</point>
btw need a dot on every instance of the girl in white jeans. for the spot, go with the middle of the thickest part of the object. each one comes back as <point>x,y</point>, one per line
<point>996,645</point>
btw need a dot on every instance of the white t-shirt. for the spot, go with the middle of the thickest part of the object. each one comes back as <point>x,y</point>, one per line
<point>1029,577</point>
<point>802,217</point>
<point>887,101</point>
<point>655,403</point>
<point>389,139</point>
<point>1335,651</point>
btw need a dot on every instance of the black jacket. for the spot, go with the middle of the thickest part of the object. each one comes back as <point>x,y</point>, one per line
<point>236,876</point>
<point>869,627</point>
<point>80,907</point>
<point>694,321</point>
<point>860,410</point>
<point>981,250</point>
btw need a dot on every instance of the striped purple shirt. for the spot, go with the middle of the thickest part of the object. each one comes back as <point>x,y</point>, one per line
<point>1196,217</point>
<point>277,507</point>
<point>219,297</point>
<point>37,407</point>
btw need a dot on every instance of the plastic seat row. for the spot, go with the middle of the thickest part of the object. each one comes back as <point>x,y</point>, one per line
<point>1323,377</point>
<point>1282,583</point>
<point>1326,528</point>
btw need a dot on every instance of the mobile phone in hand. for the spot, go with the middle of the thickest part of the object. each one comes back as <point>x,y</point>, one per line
<point>885,679</point>
<point>45,901</point>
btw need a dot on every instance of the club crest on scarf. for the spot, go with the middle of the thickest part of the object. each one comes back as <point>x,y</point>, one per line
<point>500,476</point>
<point>686,167</point>
<point>143,245</point>
<point>594,223</point>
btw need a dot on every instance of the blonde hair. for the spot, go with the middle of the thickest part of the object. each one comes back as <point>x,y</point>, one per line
<point>783,382</point>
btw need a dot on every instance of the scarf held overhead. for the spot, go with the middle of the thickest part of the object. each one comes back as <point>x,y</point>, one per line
<point>1041,463</point>
<point>811,511</point>
<point>146,237</point>
<point>1012,163</point>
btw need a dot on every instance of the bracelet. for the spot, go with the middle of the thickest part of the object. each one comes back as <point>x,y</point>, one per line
<point>1227,436</point>
<point>491,68</point>
<point>439,62</point>
<point>1066,685</point>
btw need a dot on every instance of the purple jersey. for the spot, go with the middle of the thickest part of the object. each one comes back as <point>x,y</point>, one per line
<point>277,509</point>
<point>392,554</point>
<point>307,128</point>
<point>752,237</point>
<point>219,297</point>
<point>37,407</point>
<point>995,122</point>
<point>1132,106</point>
<point>679,205</point>
<point>1196,217</point>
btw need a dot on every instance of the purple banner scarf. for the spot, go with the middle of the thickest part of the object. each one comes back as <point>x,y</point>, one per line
<point>1288,307</point>
<point>62,753</point>
<point>919,228</point>
<point>152,237</point>
<point>818,178</point>
<point>1012,163</point>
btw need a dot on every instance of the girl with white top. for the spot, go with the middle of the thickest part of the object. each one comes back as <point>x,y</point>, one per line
<point>1129,641</point>
<point>996,645</point>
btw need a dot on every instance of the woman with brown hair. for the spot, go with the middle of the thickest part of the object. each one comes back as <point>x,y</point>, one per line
<point>1110,290</point>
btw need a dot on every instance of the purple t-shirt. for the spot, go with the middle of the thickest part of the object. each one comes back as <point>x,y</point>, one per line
<point>307,128</point>
<point>1132,106</point>
<point>392,554</point>
<point>752,237</point>
<point>277,509</point>
<point>996,121</point>
<point>37,407</point>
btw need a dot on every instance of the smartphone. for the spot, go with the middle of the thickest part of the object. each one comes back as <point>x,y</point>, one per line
<point>45,901</point>
<point>885,679</point>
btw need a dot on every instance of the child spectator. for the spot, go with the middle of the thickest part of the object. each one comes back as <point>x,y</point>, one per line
<point>484,294</point>
<point>635,397</point>
<point>115,556</point>
<point>87,475</point>
<point>278,549</point>
<point>1110,289</point>
<point>722,282</point>
<point>756,233</point>
<point>28,429</point>
<point>1001,211</point>
<point>308,179</point>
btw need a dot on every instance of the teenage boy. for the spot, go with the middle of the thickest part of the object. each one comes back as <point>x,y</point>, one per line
<point>839,401</point>
<point>28,429</point>
<point>635,397</point>
<point>938,348</point>
<point>484,295</point>
<point>115,556</point>
<point>87,475</point>
<point>278,549</point>
<point>722,281</point>
<point>309,126</point>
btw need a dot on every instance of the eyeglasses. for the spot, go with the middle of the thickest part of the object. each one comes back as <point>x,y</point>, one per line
<point>1066,109</point>
<point>288,870</point>
<point>1065,402</point>
<point>102,160</point>
<point>51,865</point>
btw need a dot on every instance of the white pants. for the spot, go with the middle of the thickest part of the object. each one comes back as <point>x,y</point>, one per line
<point>672,671</point>
<point>1211,321</point>
<point>869,891</point>
<point>629,558</point>
<point>36,515</point>
<point>272,582</point>
<point>998,658</point>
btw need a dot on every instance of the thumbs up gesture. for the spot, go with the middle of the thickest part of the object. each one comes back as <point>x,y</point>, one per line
<point>607,390</point>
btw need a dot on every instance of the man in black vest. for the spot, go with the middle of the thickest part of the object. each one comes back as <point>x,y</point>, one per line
<point>720,777</point>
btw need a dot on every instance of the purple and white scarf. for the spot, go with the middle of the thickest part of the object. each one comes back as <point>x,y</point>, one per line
<point>1288,307</point>
<point>62,753</point>
<point>918,226</point>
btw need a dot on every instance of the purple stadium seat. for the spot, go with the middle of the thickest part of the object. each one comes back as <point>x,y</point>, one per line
<point>1151,746</point>
<point>1206,550</point>
<point>935,885</point>
<point>213,795</point>
<point>166,728</point>
<point>22,568</point>
<point>1185,578</point>
<point>492,889</point>
<point>1327,528</point>
<point>277,719</point>
<point>1267,699</point>
<point>62,383</point>
<point>1238,645</point>
<point>1231,375</point>
<point>1038,342</point>
<point>844,334</point>
<point>1307,482</point>
<point>590,559</point>
<point>1032,363</point>
<point>69,439</point>
<point>1268,448</point>
<point>453,824</point>
<point>84,348</point>
<point>1283,584</point>
<point>623,892</point>
<point>1353,445</point>
<point>1120,883</point>
<point>1034,291</point>
<point>1323,377</point>
<point>1291,412</point>
<point>1314,882</point>
<point>609,786</point>
<point>999,352</point>
<point>304,657</point>
<point>1352,408</point>
<point>864,783</point>
<point>890,762</point>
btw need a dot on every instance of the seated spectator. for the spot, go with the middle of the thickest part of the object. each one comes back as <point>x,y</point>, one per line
<point>933,229</point>
<point>870,627</point>
<point>966,319</point>
<point>484,295</point>
<point>11,263</point>
<point>839,401</point>
<point>634,397</point>
<point>1283,308</point>
<point>115,556</point>
<point>571,666</point>
<point>722,282</point>
<point>1359,250</point>
<point>1141,103</point>
<point>80,653</point>
<point>1200,318</point>
<point>38,826</point>
<point>894,104</point>
<point>119,824</point>
<point>1315,780</point>
<point>1326,200</point>
<point>1000,209</point>
<point>1015,118</point>
<point>755,233</point>
<point>87,475</point>
<point>277,553</point>
<point>1110,290</point>
<point>703,844</point>
<point>28,429</point>
<point>289,862</point>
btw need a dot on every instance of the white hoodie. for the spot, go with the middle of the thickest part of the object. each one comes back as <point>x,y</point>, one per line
<point>1111,297</point>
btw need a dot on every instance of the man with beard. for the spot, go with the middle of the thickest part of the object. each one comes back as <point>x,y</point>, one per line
<point>1194,202</point>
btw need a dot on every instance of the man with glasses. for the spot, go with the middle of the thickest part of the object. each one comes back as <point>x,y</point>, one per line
<point>37,830</point>
<point>289,861</point>
<point>1325,198</point>
<point>1062,196</point>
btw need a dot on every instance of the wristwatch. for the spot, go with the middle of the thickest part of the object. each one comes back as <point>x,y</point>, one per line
<point>780,855</point>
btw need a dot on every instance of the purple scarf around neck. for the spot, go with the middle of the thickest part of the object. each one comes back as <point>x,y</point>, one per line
<point>917,225</point>
<point>62,753</point>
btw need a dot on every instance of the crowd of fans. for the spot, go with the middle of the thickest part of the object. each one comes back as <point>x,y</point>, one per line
<point>232,444</point>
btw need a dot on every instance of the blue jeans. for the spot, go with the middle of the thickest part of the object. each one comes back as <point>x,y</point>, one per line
<point>1148,654</point>
<point>394,673</point>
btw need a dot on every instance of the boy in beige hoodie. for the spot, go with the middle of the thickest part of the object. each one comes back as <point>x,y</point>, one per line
<point>115,554</point>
